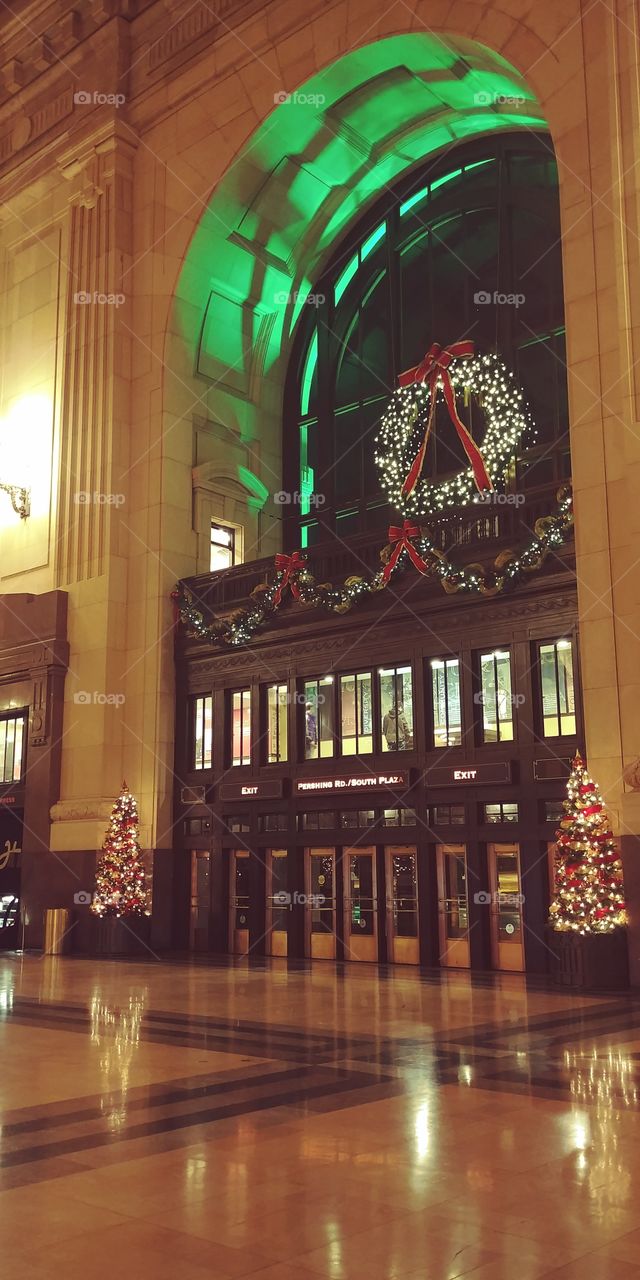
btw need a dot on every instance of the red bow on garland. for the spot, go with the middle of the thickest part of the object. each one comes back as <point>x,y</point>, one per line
<point>402,538</point>
<point>433,368</point>
<point>287,566</point>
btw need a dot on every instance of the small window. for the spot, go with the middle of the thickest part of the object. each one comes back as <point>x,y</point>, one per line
<point>202,732</point>
<point>495,696</point>
<point>273,822</point>
<point>241,727</point>
<point>399,817</point>
<point>445,689</point>
<point>396,708</point>
<point>500,812</point>
<point>448,815</point>
<point>193,827</point>
<point>318,718</point>
<point>553,810</point>
<point>236,824</point>
<point>277,709</point>
<point>356,719</point>
<point>357,818</point>
<point>223,547</point>
<point>558,694</point>
<point>323,818</point>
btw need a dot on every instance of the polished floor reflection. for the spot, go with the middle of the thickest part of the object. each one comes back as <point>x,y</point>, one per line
<point>287,1121</point>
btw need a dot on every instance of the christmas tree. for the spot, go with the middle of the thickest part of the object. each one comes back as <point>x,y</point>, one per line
<point>589,895</point>
<point>120,876</point>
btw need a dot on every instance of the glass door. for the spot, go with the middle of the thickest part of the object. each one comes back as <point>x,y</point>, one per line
<point>239,894</point>
<point>360,905</point>
<point>401,866</point>
<point>507,941</point>
<point>320,905</point>
<point>453,906</point>
<point>200,900</point>
<point>278,903</point>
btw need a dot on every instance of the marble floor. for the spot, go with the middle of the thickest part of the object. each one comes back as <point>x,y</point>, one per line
<point>218,1120</point>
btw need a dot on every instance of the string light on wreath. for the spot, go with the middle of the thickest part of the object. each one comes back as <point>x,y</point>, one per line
<point>400,445</point>
<point>408,545</point>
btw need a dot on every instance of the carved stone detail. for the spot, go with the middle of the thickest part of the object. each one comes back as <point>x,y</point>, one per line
<point>81,811</point>
<point>631,775</point>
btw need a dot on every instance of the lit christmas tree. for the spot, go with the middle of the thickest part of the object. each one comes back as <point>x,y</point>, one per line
<point>120,877</point>
<point>589,894</point>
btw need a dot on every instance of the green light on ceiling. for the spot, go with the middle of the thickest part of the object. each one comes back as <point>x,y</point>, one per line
<point>258,490</point>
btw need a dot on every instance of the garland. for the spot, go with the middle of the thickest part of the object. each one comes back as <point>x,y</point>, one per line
<point>407,544</point>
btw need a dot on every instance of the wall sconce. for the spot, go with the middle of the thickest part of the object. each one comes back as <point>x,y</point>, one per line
<point>20,499</point>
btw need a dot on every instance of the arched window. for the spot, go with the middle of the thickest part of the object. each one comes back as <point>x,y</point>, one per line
<point>467,247</point>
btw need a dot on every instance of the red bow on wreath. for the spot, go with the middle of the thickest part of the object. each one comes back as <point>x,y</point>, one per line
<point>402,538</point>
<point>287,566</point>
<point>433,368</point>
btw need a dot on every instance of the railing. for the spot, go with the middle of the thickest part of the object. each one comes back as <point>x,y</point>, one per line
<point>485,530</point>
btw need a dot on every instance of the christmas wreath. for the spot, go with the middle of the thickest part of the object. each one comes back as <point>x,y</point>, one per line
<point>408,423</point>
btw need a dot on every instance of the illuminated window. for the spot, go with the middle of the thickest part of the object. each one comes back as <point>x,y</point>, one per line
<point>445,692</point>
<point>429,258</point>
<point>317,819</point>
<point>223,547</point>
<point>356,716</point>
<point>236,825</point>
<point>396,708</point>
<point>277,709</point>
<point>202,732</point>
<point>500,812</point>
<point>357,817</point>
<point>495,696</point>
<point>318,718</point>
<point>241,727</point>
<point>558,694</point>
<point>399,817</point>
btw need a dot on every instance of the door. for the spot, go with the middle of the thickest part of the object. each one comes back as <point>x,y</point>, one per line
<point>10,854</point>
<point>360,905</point>
<point>200,900</point>
<point>507,940</point>
<point>320,903</point>
<point>453,906</point>
<point>401,866</point>
<point>239,902</point>
<point>278,903</point>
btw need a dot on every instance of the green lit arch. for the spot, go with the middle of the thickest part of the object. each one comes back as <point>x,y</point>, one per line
<point>307,173</point>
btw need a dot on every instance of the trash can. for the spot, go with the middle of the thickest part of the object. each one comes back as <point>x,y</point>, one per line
<point>57,921</point>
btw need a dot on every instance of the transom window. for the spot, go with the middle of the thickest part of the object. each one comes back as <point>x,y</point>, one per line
<point>467,247</point>
<point>558,693</point>
<point>12,746</point>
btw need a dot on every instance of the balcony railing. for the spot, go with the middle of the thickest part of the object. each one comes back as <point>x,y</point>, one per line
<point>462,533</point>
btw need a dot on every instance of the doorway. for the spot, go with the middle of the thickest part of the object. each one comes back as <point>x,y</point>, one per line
<point>320,903</point>
<point>360,905</point>
<point>507,936</point>
<point>453,905</point>
<point>401,873</point>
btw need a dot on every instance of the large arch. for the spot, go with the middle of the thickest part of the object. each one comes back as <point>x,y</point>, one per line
<point>307,172</point>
